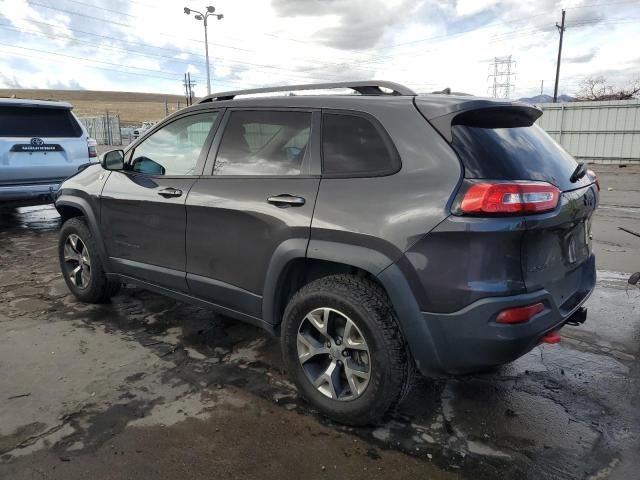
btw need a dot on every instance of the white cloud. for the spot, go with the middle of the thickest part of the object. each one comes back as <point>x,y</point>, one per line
<point>427,44</point>
<point>470,7</point>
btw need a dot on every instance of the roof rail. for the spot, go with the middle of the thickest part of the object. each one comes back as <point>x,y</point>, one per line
<point>364,87</point>
<point>447,91</point>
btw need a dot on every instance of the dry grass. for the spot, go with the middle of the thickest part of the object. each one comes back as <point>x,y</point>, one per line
<point>132,107</point>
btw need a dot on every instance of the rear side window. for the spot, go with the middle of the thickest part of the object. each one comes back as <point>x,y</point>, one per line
<point>38,122</point>
<point>516,153</point>
<point>264,143</point>
<point>353,146</point>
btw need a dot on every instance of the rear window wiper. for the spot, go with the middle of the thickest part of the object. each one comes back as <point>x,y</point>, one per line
<point>578,173</point>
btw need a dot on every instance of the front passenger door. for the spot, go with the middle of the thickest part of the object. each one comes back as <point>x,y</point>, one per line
<point>143,216</point>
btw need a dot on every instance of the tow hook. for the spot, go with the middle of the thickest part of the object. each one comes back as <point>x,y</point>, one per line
<point>578,317</point>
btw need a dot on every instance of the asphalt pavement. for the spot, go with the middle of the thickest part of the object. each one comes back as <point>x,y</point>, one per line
<point>148,387</point>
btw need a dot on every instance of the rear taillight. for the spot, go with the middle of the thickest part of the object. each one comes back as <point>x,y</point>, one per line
<point>519,314</point>
<point>593,178</point>
<point>507,197</point>
<point>92,147</point>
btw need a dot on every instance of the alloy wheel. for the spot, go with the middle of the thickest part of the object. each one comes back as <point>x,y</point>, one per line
<point>77,261</point>
<point>334,354</point>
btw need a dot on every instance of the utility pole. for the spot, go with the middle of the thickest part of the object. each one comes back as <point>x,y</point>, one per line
<point>191,85</point>
<point>503,69</point>
<point>204,16</point>
<point>206,54</point>
<point>541,86</point>
<point>562,29</point>
<point>188,88</point>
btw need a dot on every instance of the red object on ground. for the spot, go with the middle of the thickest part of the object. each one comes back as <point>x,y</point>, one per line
<point>551,337</point>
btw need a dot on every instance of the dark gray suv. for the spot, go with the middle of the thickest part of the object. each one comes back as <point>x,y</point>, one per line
<point>376,232</point>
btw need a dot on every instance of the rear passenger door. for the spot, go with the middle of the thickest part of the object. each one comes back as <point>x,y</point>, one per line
<point>255,204</point>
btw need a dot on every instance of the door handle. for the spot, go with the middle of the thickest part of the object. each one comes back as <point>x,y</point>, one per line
<point>285,200</point>
<point>170,192</point>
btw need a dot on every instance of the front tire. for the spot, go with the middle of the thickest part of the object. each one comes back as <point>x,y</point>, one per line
<point>81,264</point>
<point>344,350</point>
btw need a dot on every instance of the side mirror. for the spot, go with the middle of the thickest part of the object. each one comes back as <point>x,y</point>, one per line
<point>147,166</point>
<point>113,160</point>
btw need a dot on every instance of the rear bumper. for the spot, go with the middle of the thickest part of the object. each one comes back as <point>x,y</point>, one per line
<point>470,339</point>
<point>30,194</point>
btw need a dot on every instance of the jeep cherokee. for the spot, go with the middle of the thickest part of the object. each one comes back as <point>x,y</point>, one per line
<point>376,233</point>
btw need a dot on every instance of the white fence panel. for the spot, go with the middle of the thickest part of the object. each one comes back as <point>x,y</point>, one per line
<point>595,132</point>
<point>105,128</point>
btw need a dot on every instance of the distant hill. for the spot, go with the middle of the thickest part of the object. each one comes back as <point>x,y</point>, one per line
<point>132,107</point>
<point>546,99</point>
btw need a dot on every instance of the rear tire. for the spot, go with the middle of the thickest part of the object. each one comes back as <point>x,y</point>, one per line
<point>356,380</point>
<point>81,263</point>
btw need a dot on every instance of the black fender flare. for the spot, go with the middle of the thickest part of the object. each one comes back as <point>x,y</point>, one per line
<point>92,222</point>
<point>287,251</point>
<point>415,328</point>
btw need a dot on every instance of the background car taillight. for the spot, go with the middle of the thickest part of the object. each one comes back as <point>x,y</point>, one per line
<point>488,197</point>
<point>92,146</point>
<point>593,178</point>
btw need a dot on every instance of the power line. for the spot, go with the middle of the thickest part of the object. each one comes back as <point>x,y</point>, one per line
<point>606,4</point>
<point>349,62</point>
<point>39,57</point>
<point>84,58</point>
<point>120,12</point>
<point>189,52</point>
<point>129,26</point>
<point>155,55</point>
<point>172,79</point>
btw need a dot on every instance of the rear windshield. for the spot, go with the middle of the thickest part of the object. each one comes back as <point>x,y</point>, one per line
<point>516,153</point>
<point>38,122</point>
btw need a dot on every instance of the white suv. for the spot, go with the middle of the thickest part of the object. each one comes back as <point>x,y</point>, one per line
<point>41,143</point>
<point>143,128</point>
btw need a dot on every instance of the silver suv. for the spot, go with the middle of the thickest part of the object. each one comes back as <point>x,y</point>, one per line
<point>41,143</point>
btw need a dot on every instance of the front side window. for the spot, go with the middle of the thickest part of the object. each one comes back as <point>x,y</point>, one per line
<point>175,148</point>
<point>353,146</point>
<point>263,143</point>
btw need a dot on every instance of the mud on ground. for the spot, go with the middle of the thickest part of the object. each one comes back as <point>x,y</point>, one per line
<point>147,387</point>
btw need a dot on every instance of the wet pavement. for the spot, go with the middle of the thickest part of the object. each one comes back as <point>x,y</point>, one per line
<point>147,387</point>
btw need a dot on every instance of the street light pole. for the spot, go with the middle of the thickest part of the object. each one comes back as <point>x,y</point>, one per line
<point>204,17</point>
<point>206,54</point>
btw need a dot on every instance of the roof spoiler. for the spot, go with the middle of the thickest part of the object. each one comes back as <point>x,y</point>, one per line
<point>484,113</point>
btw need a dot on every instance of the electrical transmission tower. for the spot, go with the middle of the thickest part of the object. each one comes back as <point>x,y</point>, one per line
<point>502,71</point>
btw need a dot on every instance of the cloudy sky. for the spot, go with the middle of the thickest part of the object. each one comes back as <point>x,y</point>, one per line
<point>146,45</point>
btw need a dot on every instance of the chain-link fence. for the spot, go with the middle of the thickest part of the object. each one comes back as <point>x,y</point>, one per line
<point>104,128</point>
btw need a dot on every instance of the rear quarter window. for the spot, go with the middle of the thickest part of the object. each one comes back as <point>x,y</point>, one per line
<point>31,122</point>
<point>352,145</point>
